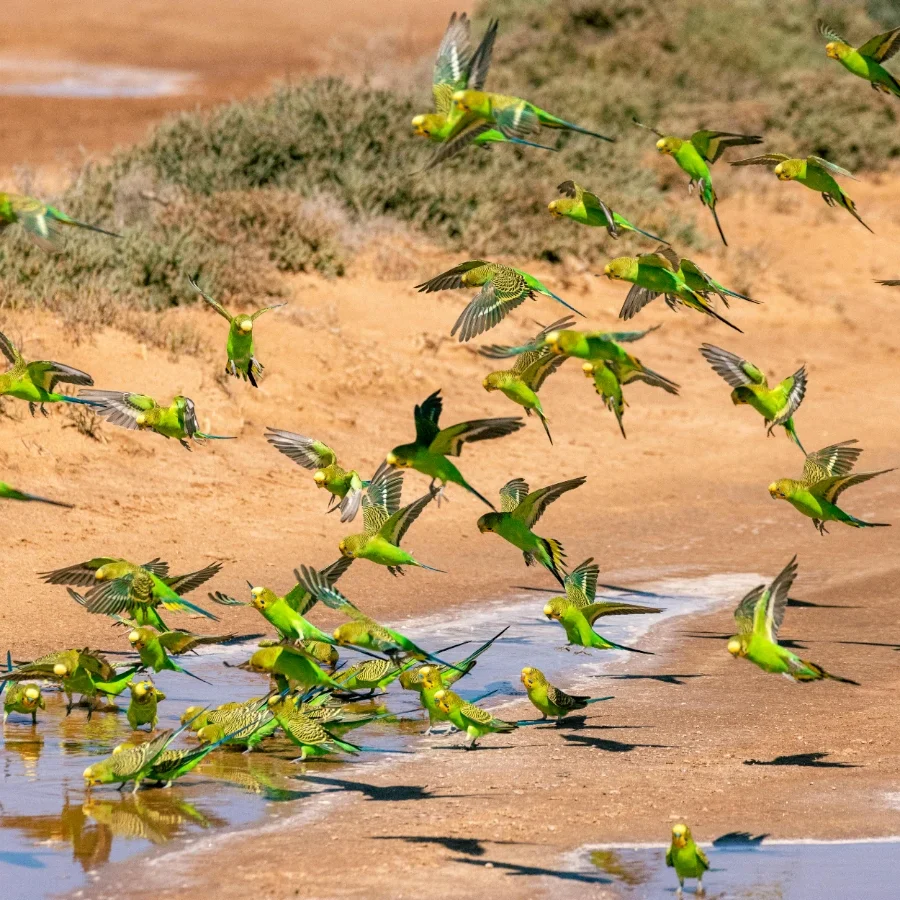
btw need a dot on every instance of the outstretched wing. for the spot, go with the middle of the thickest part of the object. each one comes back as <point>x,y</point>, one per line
<point>449,442</point>
<point>178,642</point>
<point>512,494</point>
<point>712,144</point>
<point>426,417</point>
<point>733,368</point>
<point>398,524</point>
<point>119,408</point>
<point>534,505</point>
<point>595,611</point>
<point>795,386</point>
<point>832,488</point>
<point>213,303</point>
<point>836,459</point>
<point>537,372</point>
<point>451,279</point>
<point>624,337</point>
<point>451,66</point>
<point>635,300</point>
<point>746,609</point>
<point>656,131</point>
<point>381,499</point>
<point>881,47</point>
<point>481,58</point>
<point>766,159</point>
<point>305,451</point>
<point>320,586</point>
<point>41,228</point>
<point>301,600</point>
<point>184,584</point>
<point>581,583</point>
<point>490,306</point>
<point>816,162</point>
<point>83,573</point>
<point>47,374</point>
<point>8,349</point>
<point>776,603</point>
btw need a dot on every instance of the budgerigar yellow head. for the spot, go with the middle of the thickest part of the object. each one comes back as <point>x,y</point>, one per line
<point>209,734</point>
<point>561,342</point>
<point>470,101</point>
<point>140,637</point>
<point>737,647</point>
<point>621,269</point>
<point>555,608</point>
<point>492,381</point>
<point>190,713</point>
<point>789,169</point>
<point>31,696</point>
<point>263,598</point>
<point>837,49</point>
<point>427,125</point>
<point>681,834</point>
<point>442,701</point>
<point>140,689</point>
<point>245,323</point>
<point>669,145</point>
<point>588,369</point>
<point>319,478</point>
<point>532,677</point>
<point>781,489</point>
<point>431,677</point>
<point>61,670</point>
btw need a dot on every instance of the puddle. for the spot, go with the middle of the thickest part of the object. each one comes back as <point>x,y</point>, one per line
<point>743,867</point>
<point>50,78</point>
<point>54,833</point>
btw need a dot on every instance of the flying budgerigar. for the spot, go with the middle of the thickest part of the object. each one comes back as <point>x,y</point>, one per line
<point>154,646</point>
<point>520,512</point>
<point>8,492</point>
<point>582,206</point>
<point>429,451</point>
<point>139,412</point>
<point>35,382</point>
<point>696,154</point>
<point>688,860</point>
<point>503,288</point>
<point>43,223</point>
<point>652,274</point>
<point>290,665</point>
<point>344,485</point>
<point>522,382</point>
<point>866,61</point>
<point>578,620</point>
<point>385,524</point>
<point>117,587</point>
<point>759,616</point>
<point>550,700</point>
<point>826,475</point>
<point>813,172</point>
<point>776,405</point>
<point>242,361</point>
<point>457,68</point>
<point>473,720</point>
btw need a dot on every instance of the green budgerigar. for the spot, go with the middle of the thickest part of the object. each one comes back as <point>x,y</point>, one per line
<point>173,762</point>
<point>36,382</point>
<point>245,725</point>
<point>522,382</point>
<point>153,647</point>
<point>688,860</point>
<point>777,405</point>
<point>550,701</point>
<point>759,616</point>
<point>429,451</point>
<point>143,708</point>
<point>138,412</point>
<point>826,475</point>
<point>696,154</point>
<point>8,492</point>
<point>503,288</point>
<point>25,699</point>
<point>866,61</point>
<point>290,666</point>
<point>660,272</point>
<point>43,223</point>
<point>130,763</point>
<point>578,620</point>
<point>310,735</point>
<point>344,485</point>
<point>473,720</point>
<point>582,206</point>
<point>815,173</point>
<point>520,512</point>
<point>242,361</point>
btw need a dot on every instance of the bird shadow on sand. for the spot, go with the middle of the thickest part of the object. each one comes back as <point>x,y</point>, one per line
<point>869,644</point>
<point>534,871</point>
<point>481,747</point>
<point>664,679</point>
<point>810,760</point>
<point>808,604</point>
<point>580,723</point>
<point>739,840</point>
<point>466,846</point>
<point>610,746</point>
<point>724,636</point>
<point>389,792</point>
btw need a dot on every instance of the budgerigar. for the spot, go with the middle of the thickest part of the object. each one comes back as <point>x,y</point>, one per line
<point>813,172</point>
<point>550,700</point>
<point>866,61</point>
<point>345,486</point>
<point>35,382</point>
<point>129,764</point>
<point>578,620</point>
<point>311,736</point>
<point>43,223</point>
<point>385,524</point>
<point>242,361</point>
<point>290,666</point>
<point>696,154</point>
<point>652,274</point>
<point>8,492</point>
<point>143,708</point>
<point>688,860</point>
<point>522,382</point>
<point>245,725</point>
<point>25,698</point>
<point>582,206</point>
<point>520,512</point>
<point>138,412</point>
<point>473,720</point>
<point>429,451</point>
<point>173,762</point>
<point>759,616</point>
<point>776,405</point>
<point>154,646</point>
<point>503,288</point>
<point>826,475</point>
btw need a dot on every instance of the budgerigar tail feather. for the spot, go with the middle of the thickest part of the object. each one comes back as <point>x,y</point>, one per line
<point>181,605</point>
<point>850,206</point>
<point>553,122</point>
<point>647,234</point>
<point>566,305</point>
<point>214,437</point>
<point>629,649</point>
<point>591,700</point>
<point>715,216</point>
<point>858,523</point>
<point>75,222</point>
<point>543,419</point>
<point>66,399</point>
<point>557,556</point>
<point>481,497</point>
<point>657,380</point>
<point>430,568</point>
<point>821,673</point>
<point>792,434</point>
<point>521,143</point>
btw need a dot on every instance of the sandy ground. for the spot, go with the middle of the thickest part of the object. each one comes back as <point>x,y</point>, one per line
<point>230,48</point>
<point>685,493</point>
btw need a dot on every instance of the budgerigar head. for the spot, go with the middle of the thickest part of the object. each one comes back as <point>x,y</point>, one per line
<point>789,169</point>
<point>562,343</point>
<point>399,457</point>
<point>125,745</point>
<point>555,608</point>
<point>837,49</point>
<point>350,545</point>
<point>141,689</point>
<point>588,369</point>
<point>669,145</point>
<point>471,101</point>
<point>411,679</point>
<point>532,677</point>
<point>561,207</point>
<point>427,125</point>
<point>681,834</point>
<point>430,677</point>
<point>209,734</point>
<point>781,489</point>
<point>98,773</point>
<point>63,669</point>
<point>263,598</point>
<point>31,697</point>
<point>140,637</point>
<point>244,324</point>
<point>623,268</point>
<point>320,478</point>
<point>105,572</point>
<point>195,713</point>
<point>263,660</point>
<point>741,395</point>
<point>737,646</point>
<point>344,634</point>
<point>443,701</point>
<point>492,381</point>
<point>488,522</point>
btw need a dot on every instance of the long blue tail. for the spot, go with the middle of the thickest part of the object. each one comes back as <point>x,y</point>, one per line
<point>566,305</point>
<point>66,399</point>
<point>520,142</point>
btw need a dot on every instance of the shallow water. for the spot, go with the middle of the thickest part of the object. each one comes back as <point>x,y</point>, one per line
<point>53,832</point>
<point>742,866</point>
<point>59,78</point>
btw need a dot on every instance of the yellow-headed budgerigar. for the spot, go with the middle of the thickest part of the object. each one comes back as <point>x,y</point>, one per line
<point>866,61</point>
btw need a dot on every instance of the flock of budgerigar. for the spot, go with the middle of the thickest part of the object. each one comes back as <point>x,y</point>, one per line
<point>305,685</point>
